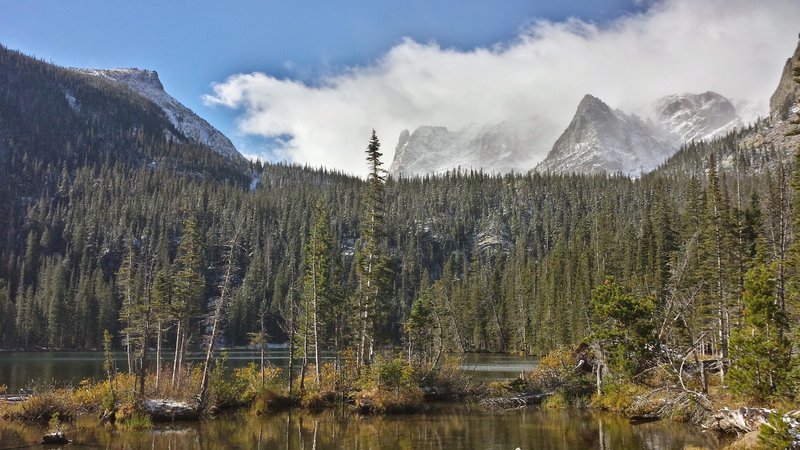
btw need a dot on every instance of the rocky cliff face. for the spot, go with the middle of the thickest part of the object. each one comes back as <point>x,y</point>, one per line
<point>497,148</point>
<point>600,139</point>
<point>694,117</point>
<point>788,92</point>
<point>192,126</point>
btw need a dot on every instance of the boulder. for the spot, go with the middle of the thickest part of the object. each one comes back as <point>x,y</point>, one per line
<point>55,438</point>
<point>737,421</point>
<point>164,410</point>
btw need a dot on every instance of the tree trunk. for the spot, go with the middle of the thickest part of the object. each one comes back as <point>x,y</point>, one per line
<point>315,325</point>
<point>219,308</point>
<point>176,361</point>
<point>158,354</point>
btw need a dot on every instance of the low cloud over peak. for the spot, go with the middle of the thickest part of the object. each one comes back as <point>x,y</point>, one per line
<point>734,47</point>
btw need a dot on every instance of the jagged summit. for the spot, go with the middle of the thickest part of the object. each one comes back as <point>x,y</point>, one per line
<point>694,117</point>
<point>495,148</point>
<point>192,126</point>
<point>599,139</point>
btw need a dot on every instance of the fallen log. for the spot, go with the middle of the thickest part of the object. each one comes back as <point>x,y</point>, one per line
<point>518,401</point>
<point>638,420</point>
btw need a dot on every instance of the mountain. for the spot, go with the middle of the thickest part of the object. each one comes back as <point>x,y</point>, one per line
<point>495,148</point>
<point>599,139</point>
<point>758,148</point>
<point>693,117</point>
<point>147,84</point>
<point>54,119</point>
<point>788,91</point>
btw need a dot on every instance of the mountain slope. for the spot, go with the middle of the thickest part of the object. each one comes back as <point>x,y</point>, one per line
<point>55,119</point>
<point>787,93</point>
<point>694,117</point>
<point>496,148</point>
<point>600,139</point>
<point>147,84</point>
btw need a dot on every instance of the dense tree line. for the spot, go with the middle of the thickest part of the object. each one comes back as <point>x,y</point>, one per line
<point>130,232</point>
<point>507,262</point>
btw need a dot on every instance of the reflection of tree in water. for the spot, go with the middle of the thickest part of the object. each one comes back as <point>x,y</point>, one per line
<point>453,427</point>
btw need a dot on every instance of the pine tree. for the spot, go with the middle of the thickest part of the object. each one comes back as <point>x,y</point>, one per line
<point>760,352</point>
<point>317,290</point>
<point>374,274</point>
<point>189,288</point>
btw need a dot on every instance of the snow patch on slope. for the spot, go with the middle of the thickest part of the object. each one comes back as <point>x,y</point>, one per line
<point>192,126</point>
<point>495,148</point>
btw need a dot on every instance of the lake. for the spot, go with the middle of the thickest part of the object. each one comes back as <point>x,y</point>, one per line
<point>453,427</point>
<point>25,370</point>
<point>444,427</point>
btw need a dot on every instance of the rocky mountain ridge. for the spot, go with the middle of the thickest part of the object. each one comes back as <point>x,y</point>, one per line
<point>598,139</point>
<point>193,127</point>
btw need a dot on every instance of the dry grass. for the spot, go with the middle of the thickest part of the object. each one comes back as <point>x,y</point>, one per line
<point>42,407</point>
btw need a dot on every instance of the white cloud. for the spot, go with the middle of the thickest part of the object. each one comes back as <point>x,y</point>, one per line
<point>734,47</point>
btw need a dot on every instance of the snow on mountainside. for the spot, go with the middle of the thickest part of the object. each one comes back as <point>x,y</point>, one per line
<point>496,148</point>
<point>192,126</point>
<point>600,139</point>
<point>694,117</point>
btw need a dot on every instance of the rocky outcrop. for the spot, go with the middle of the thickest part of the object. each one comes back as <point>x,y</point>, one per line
<point>788,91</point>
<point>55,438</point>
<point>695,117</point>
<point>163,410</point>
<point>497,148</point>
<point>737,421</point>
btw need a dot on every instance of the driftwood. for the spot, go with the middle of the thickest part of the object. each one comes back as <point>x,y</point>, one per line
<point>518,401</point>
<point>14,398</point>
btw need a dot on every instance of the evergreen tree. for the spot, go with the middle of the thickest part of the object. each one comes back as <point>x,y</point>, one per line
<point>317,290</point>
<point>761,354</point>
<point>374,273</point>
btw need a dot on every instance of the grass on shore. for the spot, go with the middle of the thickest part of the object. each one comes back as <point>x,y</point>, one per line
<point>391,384</point>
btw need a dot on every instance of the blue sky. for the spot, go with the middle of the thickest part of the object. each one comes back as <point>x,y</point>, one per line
<point>194,43</point>
<point>305,80</point>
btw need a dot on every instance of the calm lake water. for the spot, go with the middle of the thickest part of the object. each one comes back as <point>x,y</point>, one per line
<point>24,370</point>
<point>447,427</point>
<point>450,428</point>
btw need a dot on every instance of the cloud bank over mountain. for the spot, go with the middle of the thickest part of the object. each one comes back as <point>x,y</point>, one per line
<point>734,47</point>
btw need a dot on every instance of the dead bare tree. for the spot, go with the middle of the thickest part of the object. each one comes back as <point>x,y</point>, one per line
<point>219,306</point>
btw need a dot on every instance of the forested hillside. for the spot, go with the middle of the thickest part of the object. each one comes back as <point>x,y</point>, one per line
<point>110,225</point>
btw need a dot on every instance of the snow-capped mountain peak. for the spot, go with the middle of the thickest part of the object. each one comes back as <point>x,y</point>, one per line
<point>193,127</point>
<point>600,139</point>
<point>693,117</point>
<point>495,148</point>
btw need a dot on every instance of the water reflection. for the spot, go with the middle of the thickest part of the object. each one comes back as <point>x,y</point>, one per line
<point>20,370</point>
<point>452,428</point>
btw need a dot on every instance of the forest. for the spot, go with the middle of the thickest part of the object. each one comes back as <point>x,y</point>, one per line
<point>114,226</point>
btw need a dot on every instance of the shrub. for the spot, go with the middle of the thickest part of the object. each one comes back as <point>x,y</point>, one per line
<point>556,401</point>
<point>781,431</point>
<point>556,371</point>
<point>617,397</point>
<point>43,407</point>
<point>226,391</point>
